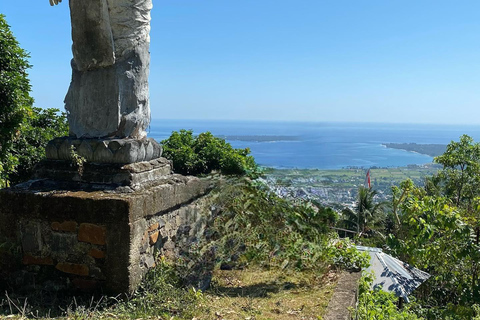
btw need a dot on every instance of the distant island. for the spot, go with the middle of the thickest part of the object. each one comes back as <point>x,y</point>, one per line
<point>259,138</point>
<point>432,150</point>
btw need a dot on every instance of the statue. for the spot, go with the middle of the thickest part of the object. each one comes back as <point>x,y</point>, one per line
<point>108,95</point>
<point>107,102</point>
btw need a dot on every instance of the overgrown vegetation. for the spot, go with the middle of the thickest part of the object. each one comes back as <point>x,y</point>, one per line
<point>439,231</point>
<point>15,100</point>
<point>204,153</point>
<point>436,228</point>
<point>160,296</point>
<point>280,234</point>
<point>368,216</point>
<point>379,305</point>
<point>24,129</point>
<point>41,126</point>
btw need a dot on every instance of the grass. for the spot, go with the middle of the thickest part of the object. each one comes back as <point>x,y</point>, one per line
<point>268,294</point>
<point>160,296</point>
<point>250,294</point>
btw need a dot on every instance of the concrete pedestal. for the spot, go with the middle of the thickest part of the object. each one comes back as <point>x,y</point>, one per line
<point>97,150</point>
<point>69,238</point>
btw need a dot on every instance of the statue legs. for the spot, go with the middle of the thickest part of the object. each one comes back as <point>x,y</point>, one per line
<point>108,94</point>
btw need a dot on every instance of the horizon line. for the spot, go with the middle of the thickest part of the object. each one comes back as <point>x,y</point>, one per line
<point>319,121</point>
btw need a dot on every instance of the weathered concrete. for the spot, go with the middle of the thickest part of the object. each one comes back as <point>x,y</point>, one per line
<point>93,176</point>
<point>344,297</point>
<point>95,150</point>
<point>92,240</point>
<point>108,94</point>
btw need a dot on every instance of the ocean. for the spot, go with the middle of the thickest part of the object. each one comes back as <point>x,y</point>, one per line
<point>321,145</point>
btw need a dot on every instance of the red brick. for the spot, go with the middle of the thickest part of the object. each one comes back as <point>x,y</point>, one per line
<point>84,284</point>
<point>97,254</point>
<point>73,268</point>
<point>29,259</point>
<point>92,233</point>
<point>154,237</point>
<point>153,227</point>
<point>68,226</point>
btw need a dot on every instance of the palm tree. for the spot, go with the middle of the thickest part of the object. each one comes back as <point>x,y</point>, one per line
<point>368,215</point>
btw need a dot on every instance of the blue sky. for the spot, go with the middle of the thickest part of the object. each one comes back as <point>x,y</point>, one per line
<point>300,60</point>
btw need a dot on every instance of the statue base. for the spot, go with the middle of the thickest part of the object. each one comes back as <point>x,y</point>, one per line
<point>96,150</point>
<point>68,175</point>
<point>66,235</point>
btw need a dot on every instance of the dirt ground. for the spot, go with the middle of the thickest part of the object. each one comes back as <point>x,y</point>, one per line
<point>262,295</point>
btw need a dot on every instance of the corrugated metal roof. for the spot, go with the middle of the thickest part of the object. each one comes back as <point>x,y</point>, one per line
<point>393,275</point>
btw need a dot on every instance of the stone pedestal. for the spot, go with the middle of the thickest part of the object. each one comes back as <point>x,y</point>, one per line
<point>100,176</point>
<point>97,150</point>
<point>72,237</point>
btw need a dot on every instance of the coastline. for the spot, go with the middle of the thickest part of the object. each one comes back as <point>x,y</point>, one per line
<point>428,149</point>
<point>289,145</point>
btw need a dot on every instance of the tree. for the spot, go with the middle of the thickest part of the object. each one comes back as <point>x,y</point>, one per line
<point>367,216</point>
<point>460,176</point>
<point>24,130</point>
<point>38,129</point>
<point>15,100</point>
<point>435,236</point>
<point>398,196</point>
<point>438,230</point>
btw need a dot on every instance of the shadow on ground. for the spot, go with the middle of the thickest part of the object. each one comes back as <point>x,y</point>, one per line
<point>259,290</point>
<point>47,304</point>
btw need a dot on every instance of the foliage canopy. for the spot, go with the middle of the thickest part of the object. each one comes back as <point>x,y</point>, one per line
<point>24,130</point>
<point>280,233</point>
<point>438,231</point>
<point>15,100</point>
<point>41,126</point>
<point>368,216</point>
<point>204,153</point>
<point>378,304</point>
<point>460,178</point>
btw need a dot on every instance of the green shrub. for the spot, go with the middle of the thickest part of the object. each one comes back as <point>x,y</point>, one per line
<point>378,304</point>
<point>257,227</point>
<point>345,255</point>
<point>204,153</point>
<point>41,126</point>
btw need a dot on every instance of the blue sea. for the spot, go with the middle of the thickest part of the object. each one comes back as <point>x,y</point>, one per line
<point>321,145</point>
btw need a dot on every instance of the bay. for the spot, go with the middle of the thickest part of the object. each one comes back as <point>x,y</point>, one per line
<point>321,145</point>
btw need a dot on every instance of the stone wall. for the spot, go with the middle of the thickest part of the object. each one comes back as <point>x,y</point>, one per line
<point>174,235</point>
<point>98,240</point>
<point>344,298</point>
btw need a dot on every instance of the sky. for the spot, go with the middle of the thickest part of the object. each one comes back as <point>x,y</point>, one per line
<point>402,61</point>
